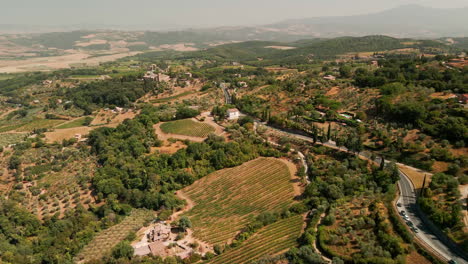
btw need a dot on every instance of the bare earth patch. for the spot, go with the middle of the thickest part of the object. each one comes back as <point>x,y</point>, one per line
<point>58,62</point>
<point>280,47</point>
<point>60,134</point>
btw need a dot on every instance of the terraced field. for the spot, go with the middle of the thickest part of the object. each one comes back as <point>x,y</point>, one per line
<point>103,242</point>
<point>270,240</point>
<point>187,127</point>
<point>227,200</point>
<point>11,138</point>
<point>75,123</point>
<point>39,123</point>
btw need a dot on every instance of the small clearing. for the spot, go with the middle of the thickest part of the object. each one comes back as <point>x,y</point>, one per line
<point>187,127</point>
<point>280,47</point>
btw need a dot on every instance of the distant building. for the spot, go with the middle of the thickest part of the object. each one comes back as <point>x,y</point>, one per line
<point>150,75</point>
<point>375,63</point>
<point>188,75</point>
<point>463,98</point>
<point>242,84</point>
<point>164,77</point>
<point>233,114</point>
<point>329,77</point>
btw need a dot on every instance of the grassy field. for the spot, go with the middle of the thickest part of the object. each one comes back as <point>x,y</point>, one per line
<point>103,242</point>
<point>270,240</point>
<point>187,127</point>
<point>11,138</point>
<point>236,196</point>
<point>170,98</point>
<point>39,123</point>
<point>10,127</point>
<point>75,123</point>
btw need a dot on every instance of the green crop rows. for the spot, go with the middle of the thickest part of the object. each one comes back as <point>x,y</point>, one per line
<point>235,196</point>
<point>103,242</point>
<point>187,127</point>
<point>270,240</point>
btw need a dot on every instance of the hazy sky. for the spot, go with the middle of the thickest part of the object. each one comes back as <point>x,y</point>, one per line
<point>190,13</point>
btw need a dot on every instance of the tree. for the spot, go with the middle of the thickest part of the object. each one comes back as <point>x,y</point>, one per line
<point>185,223</point>
<point>123,250</point>
<point>345,71</point>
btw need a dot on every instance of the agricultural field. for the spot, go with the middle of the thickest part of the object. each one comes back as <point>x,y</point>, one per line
<point>170,98</point>
<point>75,123</point>
<point>103,242</point>
<point>356,230</point>
<point>38,123</point>
<point>187,127</point>
<point>236,196</point>
<point>11,138</point>
<point>58,180</point>
<point>270,240</point>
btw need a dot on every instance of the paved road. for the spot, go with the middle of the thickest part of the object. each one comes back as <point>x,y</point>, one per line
<point>227,96</point>
<point>408,201</point>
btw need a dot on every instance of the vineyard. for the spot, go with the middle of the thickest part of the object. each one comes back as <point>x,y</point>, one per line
<point>227,200</point>
<point>11,138</point>
<point>75,123</point>
<point>187,127</point>
<point>271,240</point>
<point>103,242</point>
<point>38,123</point>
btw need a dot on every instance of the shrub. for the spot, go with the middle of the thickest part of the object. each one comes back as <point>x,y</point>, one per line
<point>123,250</point>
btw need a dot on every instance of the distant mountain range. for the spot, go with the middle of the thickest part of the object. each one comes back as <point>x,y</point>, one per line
<point>404,21</point>
<point>410,21</point>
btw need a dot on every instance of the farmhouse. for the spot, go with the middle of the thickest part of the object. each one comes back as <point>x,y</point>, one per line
<point>242,84</point>
<point>233,114</point>
<point>329,77</point>
<point>151,76</point>
<point>463,98</point>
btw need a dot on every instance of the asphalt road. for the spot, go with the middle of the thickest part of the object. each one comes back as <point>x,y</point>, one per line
<point>408,202</point>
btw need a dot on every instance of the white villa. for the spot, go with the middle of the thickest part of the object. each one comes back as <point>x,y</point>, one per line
<point>233,114</point>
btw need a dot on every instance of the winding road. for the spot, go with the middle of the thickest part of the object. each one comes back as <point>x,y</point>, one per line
<point>428,235</point>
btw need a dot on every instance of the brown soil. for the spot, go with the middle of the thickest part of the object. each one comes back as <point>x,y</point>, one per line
<point>415,258</point>
<point>58,62</point>
<point>440,166</point>
<point>298,189</point>
<point>333,91</point>
<point>169,148</point>
<point>67,133</point>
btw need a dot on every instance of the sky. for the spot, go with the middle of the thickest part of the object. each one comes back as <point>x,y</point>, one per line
<point>190,13</point>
